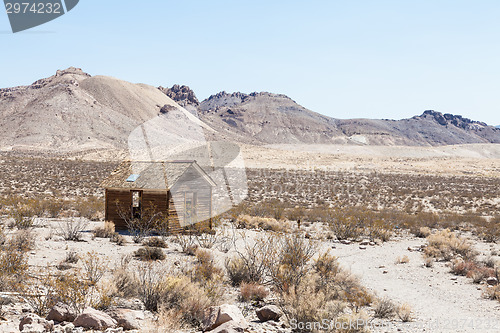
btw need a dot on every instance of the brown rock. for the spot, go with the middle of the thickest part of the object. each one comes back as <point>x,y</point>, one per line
<point>94,319</point>
<point>269,312</point>
<point>61,312</point>
<point>219,315</point>
<point>33,323</point>
<point>128,319</point>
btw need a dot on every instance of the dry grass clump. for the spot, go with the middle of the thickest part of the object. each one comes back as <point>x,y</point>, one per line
<point>105,232</point>
<point>446,245</point>
<point>205,268</point>
<point>237,271</point>
<point>118,239</point>
<point>404,313</point>
<point>384,308</point>
<point>402,260</point>
<point>178,294</point>
<point>149,253</point>
<point>13,267</point>
<point>23,240</point>
<point>71,257</point>
<point>253,292</point>
<point>264,223</point>
<point>423,232</point>
<point>155,242</point>
<point>91,208</point>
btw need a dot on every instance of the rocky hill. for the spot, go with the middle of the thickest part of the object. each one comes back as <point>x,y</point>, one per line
<point>271,118</point>
<point>73,111</point>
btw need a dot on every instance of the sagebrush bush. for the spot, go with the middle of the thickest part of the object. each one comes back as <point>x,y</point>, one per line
<point>404,313</point>
<point>155,242</point>
<point>23,240</point>
<point>72,228</point>
<point>118,239</point>
<point>237,271</point>
<point>384,308</point>
<point>446,245</point>
<point>205,268</point>
<point>149,253</point>
<point>106,231</point>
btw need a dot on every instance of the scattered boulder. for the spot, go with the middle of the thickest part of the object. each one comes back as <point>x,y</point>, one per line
<point>219,315</point>
<point>94,319</point>
<point>127,319</point>
<point>269,312</point>
<point>31,323</point>
<point>229,327</point>
<point>61,312</point>
<point>492,281</point>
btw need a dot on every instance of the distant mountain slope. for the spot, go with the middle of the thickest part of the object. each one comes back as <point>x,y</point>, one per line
<point>72,111</point>
<point>271,118</point>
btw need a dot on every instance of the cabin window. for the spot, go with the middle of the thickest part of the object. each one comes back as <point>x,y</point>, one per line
<point>136,204</point>
<point>190,208</point>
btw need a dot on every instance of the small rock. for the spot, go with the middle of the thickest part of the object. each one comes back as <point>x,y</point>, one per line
<point>385,272</point>
<point>492,281</point>
<point>364,242</point>
<point>345,241</point>
<point>61,312</point>
<point>94,319</point>
<point>126,319</point>
<point>453,278</point>
<point>229,327</point>
<point>219,315</point>
<point>33,323</point>
<point>269,312</point>
<point>373,243</point>
<point>362,247</point>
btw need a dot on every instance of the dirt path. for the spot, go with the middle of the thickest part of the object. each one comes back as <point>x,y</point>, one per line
<point>441,301</point>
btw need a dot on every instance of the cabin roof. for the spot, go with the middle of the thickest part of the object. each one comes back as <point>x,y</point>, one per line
<point>153,175</point>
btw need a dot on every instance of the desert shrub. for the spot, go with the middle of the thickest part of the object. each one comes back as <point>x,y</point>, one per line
<point>384,308</point>
<point>327,268</point>
<point>71,257</point>
<point>237,271</point>
<point>423,232</point>
<point>480,274</point>
<point>492,292</point>
<point>23,240</point>
<point>446,245</point>
<point>402,260</point>
<point>404,313</point>
<point>149,253</point>
<point>287,263</point>
<point>206,240</point>
<point>94,266</point>
<point>188,298</point>
<point>205,268</point>
<point>126,283</point>
<point>118,239</point>
<point>255,258</point>
<point>253,292</point>
<point>71,229</point>
<point>307,304</point>
<point>13,268</point>
<point>89,208</point>
<point>38,295</point>
<point>155,242</point>
<point>187,242</point>
<point>347,223</point>
<point>104,232</point>
<point>141,227</point>
<point>23,213</point>
<point>429,262</point>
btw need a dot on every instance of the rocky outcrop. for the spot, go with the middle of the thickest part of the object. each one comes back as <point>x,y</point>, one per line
<point>31,323</point>
<point>269,312</point>
<point>127,319</point>
<point>94,319</point>
<point>183,95</point>
<point>225,313</point>
<point>61,312</point>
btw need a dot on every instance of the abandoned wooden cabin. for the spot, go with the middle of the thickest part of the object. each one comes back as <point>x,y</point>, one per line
<point>180,190</point>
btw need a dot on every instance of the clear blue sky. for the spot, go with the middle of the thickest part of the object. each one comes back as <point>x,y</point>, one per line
<point>345,59</point>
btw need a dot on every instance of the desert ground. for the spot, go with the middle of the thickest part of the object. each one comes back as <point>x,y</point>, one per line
<point>396,238</point>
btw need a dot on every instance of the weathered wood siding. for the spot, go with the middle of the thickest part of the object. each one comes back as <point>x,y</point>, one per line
<point>173,204</point>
